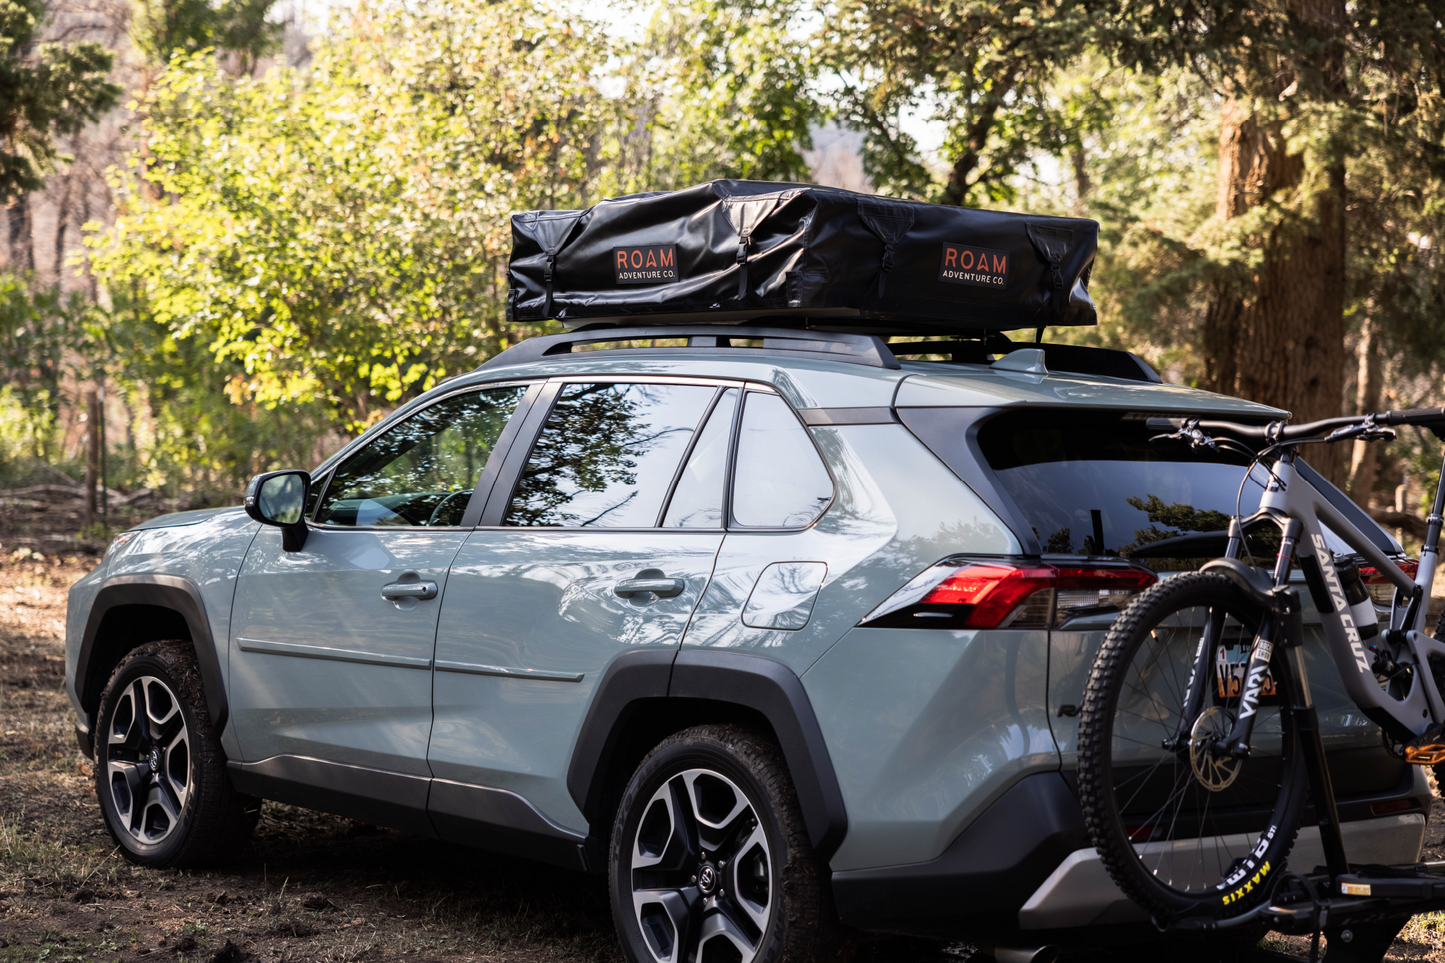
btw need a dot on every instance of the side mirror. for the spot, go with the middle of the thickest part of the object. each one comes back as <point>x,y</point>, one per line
<point>279,498</point>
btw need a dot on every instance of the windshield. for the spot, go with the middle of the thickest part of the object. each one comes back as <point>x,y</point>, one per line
<point>1091,483</point>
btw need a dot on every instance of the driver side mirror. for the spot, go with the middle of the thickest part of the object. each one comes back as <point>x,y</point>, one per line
<point>279,498</point>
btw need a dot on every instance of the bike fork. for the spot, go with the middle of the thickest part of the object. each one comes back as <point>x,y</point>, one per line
<point>1294,686</point>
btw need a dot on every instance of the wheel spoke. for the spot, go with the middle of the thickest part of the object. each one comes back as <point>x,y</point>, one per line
<point>126,709</point>
<point>744,882</point>
<point>718,925</point>
<point>133,782</point>
<point>667,931</point>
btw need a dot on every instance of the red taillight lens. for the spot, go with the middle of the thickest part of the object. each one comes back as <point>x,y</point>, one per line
<point>979,594</point>
<point>992,592</point>
<point>1381,589</point>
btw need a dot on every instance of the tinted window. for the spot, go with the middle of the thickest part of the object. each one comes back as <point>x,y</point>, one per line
<point>780,478</point>
<point>422,471</point>
<point>607,455</point>
<point>697,501</point>
<point>1092,483</point>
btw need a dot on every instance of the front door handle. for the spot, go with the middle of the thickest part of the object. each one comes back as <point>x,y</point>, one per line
<point>650,581</point>
<point>409,590</point>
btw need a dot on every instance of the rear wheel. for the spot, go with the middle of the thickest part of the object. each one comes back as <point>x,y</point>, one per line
<point>1180,827</point>
<point>710,861</point>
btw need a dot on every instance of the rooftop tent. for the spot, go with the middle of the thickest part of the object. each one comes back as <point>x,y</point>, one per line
<point>730,251</point>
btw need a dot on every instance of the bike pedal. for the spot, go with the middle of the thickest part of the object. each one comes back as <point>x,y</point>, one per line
<point>1426,755</point>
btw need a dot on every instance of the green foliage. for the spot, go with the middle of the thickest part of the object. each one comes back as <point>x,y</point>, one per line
<point>980,67</point>
<point>160,28</point>
<point>45,89</point>
<point>46,339</point>
<point>721,88</point>
<point>341,233</point>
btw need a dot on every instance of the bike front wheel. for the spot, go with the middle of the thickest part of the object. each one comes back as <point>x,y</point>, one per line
<point>1181,827</point>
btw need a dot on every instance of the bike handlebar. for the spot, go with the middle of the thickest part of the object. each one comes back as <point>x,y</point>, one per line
<point>1279,433</point>
<point>1411,416</point>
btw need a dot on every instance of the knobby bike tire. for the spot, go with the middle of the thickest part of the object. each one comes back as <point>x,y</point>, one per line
<point>1237,838</point>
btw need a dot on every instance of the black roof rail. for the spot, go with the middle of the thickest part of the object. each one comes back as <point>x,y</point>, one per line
<point>864,349</point>
<point>1064,358</point>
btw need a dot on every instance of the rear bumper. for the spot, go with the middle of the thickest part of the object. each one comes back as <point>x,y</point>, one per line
<point>1025,867</point>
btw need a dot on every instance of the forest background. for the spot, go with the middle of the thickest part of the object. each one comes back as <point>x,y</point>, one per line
<point>233,233</point>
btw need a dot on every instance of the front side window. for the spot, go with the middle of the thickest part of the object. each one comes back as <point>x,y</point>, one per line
<point>607,455</point>
<point>780,480</point>
<point>422,471</point>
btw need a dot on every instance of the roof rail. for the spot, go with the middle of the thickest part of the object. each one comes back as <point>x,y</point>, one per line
<point>864,349</point>
<point>1061,358</point>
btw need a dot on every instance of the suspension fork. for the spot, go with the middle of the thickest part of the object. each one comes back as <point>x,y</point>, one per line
<point>1204,654</point>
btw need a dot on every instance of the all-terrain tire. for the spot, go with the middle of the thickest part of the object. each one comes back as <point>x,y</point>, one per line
<point>138,761</point>
<point>712,769</point>
<point>1248,879</point>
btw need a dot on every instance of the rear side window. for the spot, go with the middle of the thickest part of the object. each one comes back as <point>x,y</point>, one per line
<point>1091,483</point>
<point>779,478</point>
<point>607,455</point>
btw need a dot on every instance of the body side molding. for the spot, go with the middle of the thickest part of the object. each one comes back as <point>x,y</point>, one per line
<point>773,690</point>
<point>390,799</point>
<point>172,592</point>
<point>503,822</point>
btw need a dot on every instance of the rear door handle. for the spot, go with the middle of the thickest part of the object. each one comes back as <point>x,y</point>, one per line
<point>663,588</point>
<point>409,590</point>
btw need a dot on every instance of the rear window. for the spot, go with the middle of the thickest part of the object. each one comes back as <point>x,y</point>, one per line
<point>1091,483</point>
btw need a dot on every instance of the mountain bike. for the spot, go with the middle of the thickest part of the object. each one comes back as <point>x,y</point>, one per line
<point>1194,781</point>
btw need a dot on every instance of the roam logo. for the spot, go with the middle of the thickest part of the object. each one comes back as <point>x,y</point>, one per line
<point>963,264</point>
<point>645,264</point>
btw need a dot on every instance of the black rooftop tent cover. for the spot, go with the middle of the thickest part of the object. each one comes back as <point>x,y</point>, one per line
<point>734,250</point>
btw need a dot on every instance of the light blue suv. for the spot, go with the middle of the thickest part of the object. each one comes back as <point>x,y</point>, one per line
<point>784,634</point>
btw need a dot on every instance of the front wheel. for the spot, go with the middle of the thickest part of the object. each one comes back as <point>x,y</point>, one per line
<point>710,861</point>
<point>160,772</point>
<point>1181,828</point>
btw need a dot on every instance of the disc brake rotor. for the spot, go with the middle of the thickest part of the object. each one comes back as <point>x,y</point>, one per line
<point>1214,772</point>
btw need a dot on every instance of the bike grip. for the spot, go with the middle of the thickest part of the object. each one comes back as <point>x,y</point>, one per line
<point>1163,424</point>
<point>1413,416</point>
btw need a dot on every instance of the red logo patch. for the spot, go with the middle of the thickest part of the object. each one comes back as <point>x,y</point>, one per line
<point>966,264</point>
<point>645,264</point>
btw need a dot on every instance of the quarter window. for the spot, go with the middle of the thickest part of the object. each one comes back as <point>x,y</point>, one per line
<point>421,472</point>
<point>781,481</point>
<point>607,455</point>
<point>697,502</point>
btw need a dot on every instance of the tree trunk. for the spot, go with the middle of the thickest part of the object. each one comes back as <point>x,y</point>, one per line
<point>22,255</point>
<point>92,453</point>
<point>1364,461</point>
<point>1280,341</point>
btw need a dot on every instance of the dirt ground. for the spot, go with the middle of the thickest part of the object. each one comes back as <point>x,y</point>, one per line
<point>309,886</point>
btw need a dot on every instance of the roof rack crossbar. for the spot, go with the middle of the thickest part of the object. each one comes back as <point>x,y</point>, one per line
<point>863,349</point>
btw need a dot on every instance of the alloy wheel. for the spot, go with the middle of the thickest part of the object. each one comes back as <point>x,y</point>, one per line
<point>701,871</point>
<point>148,761</point>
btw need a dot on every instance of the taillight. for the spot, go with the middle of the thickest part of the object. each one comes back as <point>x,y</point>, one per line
<point>995,594</point>
<point>1381,589</point>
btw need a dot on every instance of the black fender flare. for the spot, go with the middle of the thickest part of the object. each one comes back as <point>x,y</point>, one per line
<point>172,592</point>
<point>761,685</point>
